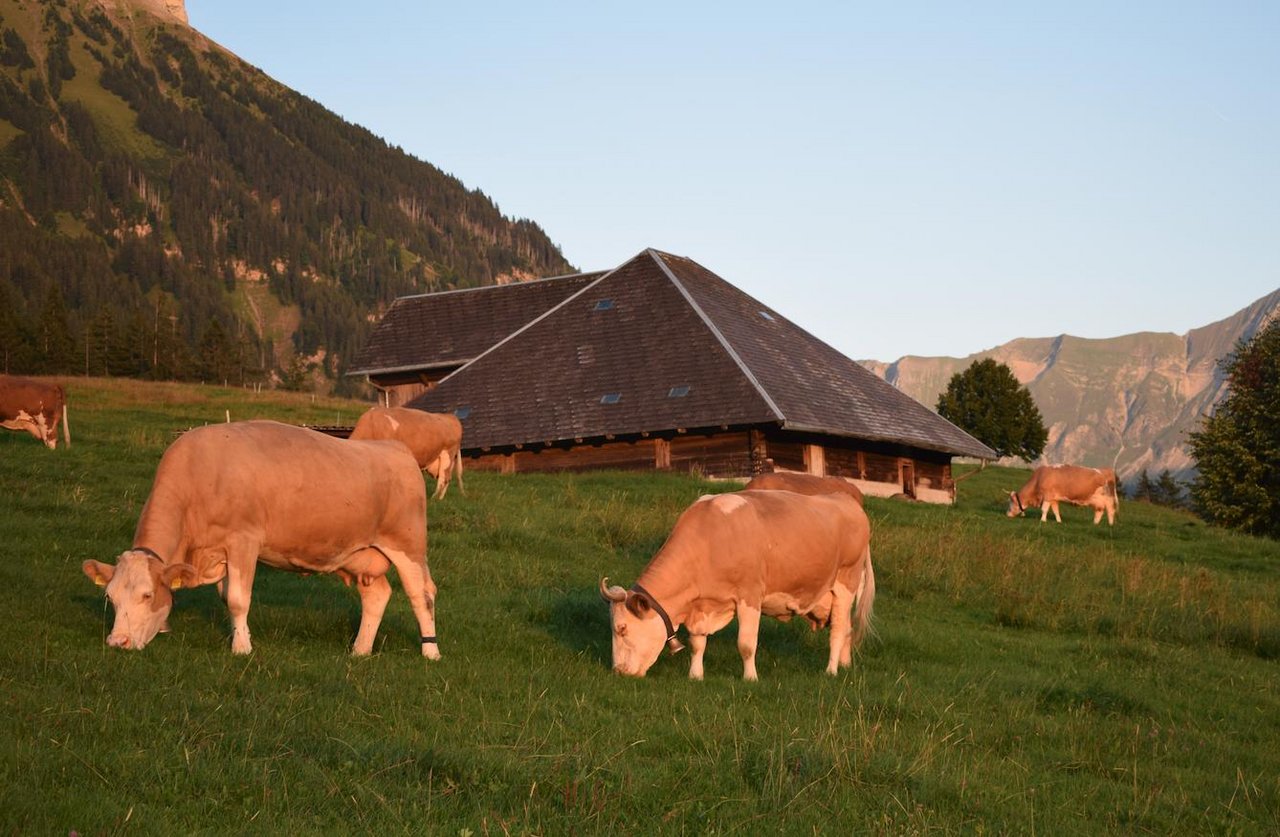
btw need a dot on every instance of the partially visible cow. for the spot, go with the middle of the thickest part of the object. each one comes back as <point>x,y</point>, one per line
<point>1052,484</point>
<point>804,484</point>
<point>34,406</point>
<point>227,496</point>
<point>434,438</point>
<point>774,553</point>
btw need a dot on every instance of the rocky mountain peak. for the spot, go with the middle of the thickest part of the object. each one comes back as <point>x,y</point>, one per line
<point>163,9</point>
<point>1125,402</point>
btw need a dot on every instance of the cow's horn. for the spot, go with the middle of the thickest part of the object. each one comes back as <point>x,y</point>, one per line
<point>611,594</point>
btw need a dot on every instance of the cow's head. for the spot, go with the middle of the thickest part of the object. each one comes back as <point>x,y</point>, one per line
<point>140,587</point>
<point>638,630</point>
<point>1015,505</point>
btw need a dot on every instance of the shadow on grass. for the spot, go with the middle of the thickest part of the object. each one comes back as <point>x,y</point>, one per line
<point>577,620</point>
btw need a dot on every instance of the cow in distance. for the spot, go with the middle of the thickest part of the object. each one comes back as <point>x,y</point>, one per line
<point>804,484</point>
<point>434,438</point>
<point>34,406</point>
<point>1053,484</point>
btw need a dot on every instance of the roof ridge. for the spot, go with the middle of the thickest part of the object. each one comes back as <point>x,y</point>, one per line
<point>517,284</point>
<point>715,330</point>
<point>603,276</point>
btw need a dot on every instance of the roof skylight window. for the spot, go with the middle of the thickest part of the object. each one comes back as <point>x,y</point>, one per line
<point>604,305</point>
<point>462,412</point>
<point>767,315</point>
<point>678,392</point>
<point>611,398</point>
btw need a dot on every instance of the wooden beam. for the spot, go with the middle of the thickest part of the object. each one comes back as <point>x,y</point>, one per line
<point>661,454</point>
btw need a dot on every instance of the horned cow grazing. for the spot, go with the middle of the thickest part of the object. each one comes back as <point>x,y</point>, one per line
<point>434,438</point>
<point>1052,484</point>
<point>227,496</point>
<point>804,484</point>
<point>34,406</point>
<point>774,553</point>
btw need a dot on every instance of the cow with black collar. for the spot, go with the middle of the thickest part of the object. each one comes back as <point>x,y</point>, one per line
<point>743,555</point>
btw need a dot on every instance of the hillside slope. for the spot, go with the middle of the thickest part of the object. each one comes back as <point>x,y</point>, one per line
<point>1126,402</point>
<point>153,185</point>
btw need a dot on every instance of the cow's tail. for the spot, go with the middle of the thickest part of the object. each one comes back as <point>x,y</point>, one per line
<point>1115,492</point>
<point>66,428</point>
<point>864,599</point>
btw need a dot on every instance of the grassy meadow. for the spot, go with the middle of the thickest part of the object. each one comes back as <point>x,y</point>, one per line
<point>1024,678</point>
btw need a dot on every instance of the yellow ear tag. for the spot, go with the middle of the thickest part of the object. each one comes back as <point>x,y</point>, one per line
<point>100,581</point>
<point>176,583</point>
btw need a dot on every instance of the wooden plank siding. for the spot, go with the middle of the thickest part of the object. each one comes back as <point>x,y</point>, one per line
<point>879,469</point>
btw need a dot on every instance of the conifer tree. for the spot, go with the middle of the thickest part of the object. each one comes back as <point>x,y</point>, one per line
<point>1168,490</point>
<point>55,346</point>
<point>1237,449</point>
<point>1144,489</point>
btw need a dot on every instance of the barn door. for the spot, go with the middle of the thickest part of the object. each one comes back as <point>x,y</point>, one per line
<point>907,470</point>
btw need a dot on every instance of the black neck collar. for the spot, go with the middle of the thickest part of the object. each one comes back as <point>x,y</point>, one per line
<point>151,553</point>
<point>672,643</point>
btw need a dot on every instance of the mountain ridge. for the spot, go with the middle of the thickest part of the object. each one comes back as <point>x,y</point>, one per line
<point>149,176</point>
<point>1125,402</point>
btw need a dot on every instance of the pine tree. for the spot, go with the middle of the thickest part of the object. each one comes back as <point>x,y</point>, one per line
<point>1144,489</point>
<point>1237,450</point>
<point>1168,490</point>
<point>55,346</point>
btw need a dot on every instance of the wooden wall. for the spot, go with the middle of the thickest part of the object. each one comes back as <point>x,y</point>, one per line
<point>724,454</point>
<point>879,469</point>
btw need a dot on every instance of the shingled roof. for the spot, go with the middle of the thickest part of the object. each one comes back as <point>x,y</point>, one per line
<point>449,328</point>
<point>662,343</point>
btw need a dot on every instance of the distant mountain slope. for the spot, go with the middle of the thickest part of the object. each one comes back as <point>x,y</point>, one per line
<point>187,207</point>
<point>1126,402</point>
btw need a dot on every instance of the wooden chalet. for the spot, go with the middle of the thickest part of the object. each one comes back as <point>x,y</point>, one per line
<point>656,364</point>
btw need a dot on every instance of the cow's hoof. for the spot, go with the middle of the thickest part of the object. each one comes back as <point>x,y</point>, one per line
<point>431,652</point>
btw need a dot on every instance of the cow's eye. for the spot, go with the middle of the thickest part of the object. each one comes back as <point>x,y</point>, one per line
<point>147,595</point>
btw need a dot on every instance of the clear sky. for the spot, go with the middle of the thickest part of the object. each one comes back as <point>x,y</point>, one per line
<point>897,178</point>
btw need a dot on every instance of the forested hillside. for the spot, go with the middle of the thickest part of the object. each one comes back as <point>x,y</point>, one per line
<point>168,211</point>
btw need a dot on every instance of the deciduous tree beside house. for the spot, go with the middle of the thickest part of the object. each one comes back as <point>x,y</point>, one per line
<point>987,401</point>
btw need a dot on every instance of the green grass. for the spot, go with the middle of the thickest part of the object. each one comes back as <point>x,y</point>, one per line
<point>1025,677</point>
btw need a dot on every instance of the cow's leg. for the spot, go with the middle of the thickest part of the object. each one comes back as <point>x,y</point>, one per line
<point>242,563</point>
<point>748,638</point>
<point>1044,511</point>
<point>698,645</point>
<point>443,467</point>
<point>421,591</point>
<point>1097,515</point>
<point>375,591</point>
<point>1111,513</point>
<point>841,629</point>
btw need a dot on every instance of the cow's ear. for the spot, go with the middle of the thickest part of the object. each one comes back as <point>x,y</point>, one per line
<point>638,604</point>
<point>98,572</point>
<point>177,576</point>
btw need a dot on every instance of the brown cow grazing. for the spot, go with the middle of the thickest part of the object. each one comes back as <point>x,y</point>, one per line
<point>434,438</point>
<point>227,496</point>
<point>34,406</point>
<point>1052,484</point>
<point>804,484</point>
<point>775,553</point>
